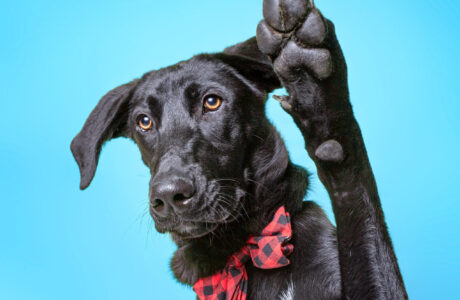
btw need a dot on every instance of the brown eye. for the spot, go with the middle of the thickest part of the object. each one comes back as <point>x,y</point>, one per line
<point>145,123</point>
<point>212,102</point>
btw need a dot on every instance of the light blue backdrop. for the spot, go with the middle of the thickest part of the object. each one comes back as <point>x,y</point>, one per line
<point>59,57</point>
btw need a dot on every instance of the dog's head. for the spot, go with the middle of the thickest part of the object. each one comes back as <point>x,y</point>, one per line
<point>201,128</point>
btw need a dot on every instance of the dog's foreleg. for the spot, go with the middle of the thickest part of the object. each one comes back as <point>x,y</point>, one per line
<point>307,57</point>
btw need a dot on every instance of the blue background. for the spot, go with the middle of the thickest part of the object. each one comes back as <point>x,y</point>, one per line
<point>59,57</point>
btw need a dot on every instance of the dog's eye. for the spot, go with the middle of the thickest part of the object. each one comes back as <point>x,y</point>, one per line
<point>212,102</point>
<point>145,123</point>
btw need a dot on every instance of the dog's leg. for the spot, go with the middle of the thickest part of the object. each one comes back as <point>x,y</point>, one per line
<point>307,57</point>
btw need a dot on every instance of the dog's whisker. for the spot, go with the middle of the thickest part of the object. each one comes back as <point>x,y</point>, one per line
<point>227,179</point>
<point>255,135</point>
<point>258,184</point>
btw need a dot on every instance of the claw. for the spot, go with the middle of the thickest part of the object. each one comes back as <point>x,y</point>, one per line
<point>283,100</point>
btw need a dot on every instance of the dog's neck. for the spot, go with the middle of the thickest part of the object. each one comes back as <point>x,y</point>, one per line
<point>273,180</point>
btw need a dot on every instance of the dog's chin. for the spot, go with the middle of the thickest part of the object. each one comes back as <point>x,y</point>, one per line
<point>190,231</point>
<point>183,231</point>
<point>187,233</point>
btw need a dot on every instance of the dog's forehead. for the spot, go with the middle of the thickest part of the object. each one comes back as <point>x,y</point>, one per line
<point>191,75</point>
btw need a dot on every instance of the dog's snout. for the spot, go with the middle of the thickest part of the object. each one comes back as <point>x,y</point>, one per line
<point>175,193</point>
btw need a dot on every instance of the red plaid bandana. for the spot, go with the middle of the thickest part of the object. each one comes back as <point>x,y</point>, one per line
<point>267,251</point>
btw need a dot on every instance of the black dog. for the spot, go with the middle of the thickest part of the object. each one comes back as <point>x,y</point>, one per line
<point>220,169</point>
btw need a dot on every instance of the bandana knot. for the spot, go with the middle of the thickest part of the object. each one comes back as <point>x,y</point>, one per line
<point>267,251</point>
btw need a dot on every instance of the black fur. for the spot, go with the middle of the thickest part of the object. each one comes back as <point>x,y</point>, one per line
<point>237,171</point>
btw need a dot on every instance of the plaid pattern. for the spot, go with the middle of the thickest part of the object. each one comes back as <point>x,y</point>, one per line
<point>267,251</point>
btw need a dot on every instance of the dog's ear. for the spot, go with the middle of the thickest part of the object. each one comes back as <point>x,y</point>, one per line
<point>106,121</point>
<point>248,49</point>
<point>255,66</point>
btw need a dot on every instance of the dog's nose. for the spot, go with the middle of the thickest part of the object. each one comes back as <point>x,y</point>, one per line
<point>175,193</point>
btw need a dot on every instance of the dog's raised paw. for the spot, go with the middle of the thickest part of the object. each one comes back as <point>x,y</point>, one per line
<point>293,34</point>
<point>284,15</point>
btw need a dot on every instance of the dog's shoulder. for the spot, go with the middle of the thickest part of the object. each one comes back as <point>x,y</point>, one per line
<point>311,220</point>
<point>315,260</point>
<point>314,236</point>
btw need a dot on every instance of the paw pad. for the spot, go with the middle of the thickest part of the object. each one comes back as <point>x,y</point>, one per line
<point>292,35</point>
<point>269,41</point>
<point>284,15</point>
<point>330,151</point>
<point>313,31</point>
<point>317,61</point>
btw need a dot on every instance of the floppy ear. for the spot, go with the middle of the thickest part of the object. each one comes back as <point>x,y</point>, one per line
<point>106,121</point>
<point>247,59</point>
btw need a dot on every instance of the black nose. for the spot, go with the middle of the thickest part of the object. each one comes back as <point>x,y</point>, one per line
<point>173,192</point>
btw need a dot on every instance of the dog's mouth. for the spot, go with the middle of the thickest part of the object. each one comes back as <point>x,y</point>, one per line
<point>194,230</point>
<point>191,230</point>
<point>187,232</point>
<point>200,224</point>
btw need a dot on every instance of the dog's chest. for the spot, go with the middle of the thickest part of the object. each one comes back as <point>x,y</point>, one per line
<point>288,293</point>
<point>274,284</point>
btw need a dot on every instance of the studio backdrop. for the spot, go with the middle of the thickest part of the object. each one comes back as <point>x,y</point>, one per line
<point>58,58</point>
